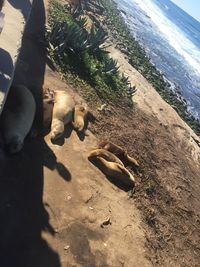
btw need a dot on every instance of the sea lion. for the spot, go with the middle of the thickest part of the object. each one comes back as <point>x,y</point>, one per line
<point>62,113</point>
<point>118,151</point>
<point>17,117</point>
<point>104,154</point>
<point>80,115</point>
<point>116,171</point>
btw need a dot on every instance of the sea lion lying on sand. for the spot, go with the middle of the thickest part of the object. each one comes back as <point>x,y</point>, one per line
<point>17,117</point>
<point>104,154</point>
<point>62,113</point>
<point>116,171</point>
<point>80,115</point>
<point>118,151</point>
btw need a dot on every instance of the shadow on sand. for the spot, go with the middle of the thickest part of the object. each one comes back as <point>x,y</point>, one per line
<point>23,5</point>
<point>23,216</point>
<point>6,69</point>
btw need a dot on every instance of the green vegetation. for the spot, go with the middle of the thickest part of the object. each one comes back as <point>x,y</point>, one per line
<point>80,54</point>
<point>139,60</point>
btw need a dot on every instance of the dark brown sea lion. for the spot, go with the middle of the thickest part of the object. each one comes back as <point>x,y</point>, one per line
<point>17,117</point>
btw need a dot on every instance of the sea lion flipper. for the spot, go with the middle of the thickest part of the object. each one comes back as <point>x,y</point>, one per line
<point>132,160</point>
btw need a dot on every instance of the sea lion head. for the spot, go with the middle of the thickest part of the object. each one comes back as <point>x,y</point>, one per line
<point>14,145</point>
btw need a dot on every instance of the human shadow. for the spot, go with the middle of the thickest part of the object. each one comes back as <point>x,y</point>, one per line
<point>67,133</point>
<point>23,5</point>
<point>23,215</point>
<point>6,68</point>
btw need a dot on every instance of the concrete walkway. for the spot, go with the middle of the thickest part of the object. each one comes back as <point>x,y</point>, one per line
<point>16,14</point>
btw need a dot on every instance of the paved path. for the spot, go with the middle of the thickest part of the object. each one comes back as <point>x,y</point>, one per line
<point>16,14</point>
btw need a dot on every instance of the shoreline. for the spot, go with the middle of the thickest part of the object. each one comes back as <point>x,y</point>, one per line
<point>126,43</point>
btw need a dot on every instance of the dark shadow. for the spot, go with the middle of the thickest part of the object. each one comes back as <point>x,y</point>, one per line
<point>67,133</point>
<point>50,161</point>
<point>114,181</point>
<point>81,135</point>
<point>119,184</point>
<point>63,172</point>
<point>6,68</point>
<point>23,5</point>
<point>91,118</point>
<point>47,116</point>
<point>51,64</point>
<point>23,215</point>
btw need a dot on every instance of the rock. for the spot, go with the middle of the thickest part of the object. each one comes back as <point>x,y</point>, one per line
<point>66,247</point>
<point>69,198</point>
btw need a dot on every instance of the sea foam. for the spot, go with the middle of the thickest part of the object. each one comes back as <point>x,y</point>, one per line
<point>172,33</point>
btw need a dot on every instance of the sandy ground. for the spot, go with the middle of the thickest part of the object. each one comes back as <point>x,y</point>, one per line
<point>53,200</point>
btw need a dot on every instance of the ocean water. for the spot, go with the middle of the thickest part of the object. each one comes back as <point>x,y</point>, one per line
<point>171,38</point>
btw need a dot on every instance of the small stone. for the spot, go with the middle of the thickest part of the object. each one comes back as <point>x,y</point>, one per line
<point>66,247</point>
<point>91,208</point>
<point>69,198</point>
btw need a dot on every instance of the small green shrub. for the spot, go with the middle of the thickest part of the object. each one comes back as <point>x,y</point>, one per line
<point>81,52</point>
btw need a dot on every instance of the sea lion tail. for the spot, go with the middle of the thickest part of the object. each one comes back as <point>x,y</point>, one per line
<point>132,160</point>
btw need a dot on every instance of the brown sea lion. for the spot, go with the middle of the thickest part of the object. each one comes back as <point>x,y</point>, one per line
<point>80,115</point>
<point>118,151</point>
<point>104,154</point>
<point>62,113</point>
<point>17,117</point>
<point>116,171</point>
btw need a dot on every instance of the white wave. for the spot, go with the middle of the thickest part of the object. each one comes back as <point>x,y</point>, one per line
<point>166,7</point>
<point>176,38</point>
